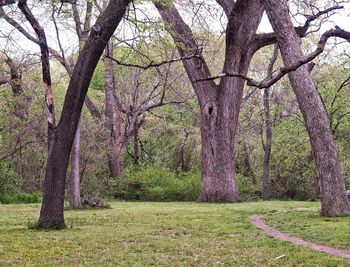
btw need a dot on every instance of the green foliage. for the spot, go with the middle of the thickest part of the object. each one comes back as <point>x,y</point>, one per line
<point>155,183</point>
<point>9,182</point>
<point>246,188</point>
<point>20,198</point>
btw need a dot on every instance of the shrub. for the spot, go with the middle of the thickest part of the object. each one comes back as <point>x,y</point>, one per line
<point>246,188</point>
<point>20,198</point>
<point>154,183</point>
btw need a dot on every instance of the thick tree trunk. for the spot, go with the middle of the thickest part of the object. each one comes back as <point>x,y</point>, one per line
<point>220,105</point>
<point>75,200</point>
<point>331,182</point>
<point>218,175</point>
<point>61,141</point>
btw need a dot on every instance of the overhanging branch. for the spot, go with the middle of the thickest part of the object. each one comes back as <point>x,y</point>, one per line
<point>268,82</point>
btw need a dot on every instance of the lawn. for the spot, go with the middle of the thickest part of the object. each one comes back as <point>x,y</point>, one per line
<point>171,234</point>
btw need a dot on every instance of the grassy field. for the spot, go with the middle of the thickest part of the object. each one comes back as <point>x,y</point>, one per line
<point>171,234</point>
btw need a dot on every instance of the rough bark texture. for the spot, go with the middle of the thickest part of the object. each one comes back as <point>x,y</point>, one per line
<point>220,104</point>
<point>51,214</point>
<point>332,189</point>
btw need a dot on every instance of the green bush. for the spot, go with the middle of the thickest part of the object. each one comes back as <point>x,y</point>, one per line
<point>157,184</point>
<point>20,198</point>
<point>154,183</point>
<point>246,188</point>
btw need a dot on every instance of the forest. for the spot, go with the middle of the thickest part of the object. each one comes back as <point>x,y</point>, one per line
<point>174,132</point>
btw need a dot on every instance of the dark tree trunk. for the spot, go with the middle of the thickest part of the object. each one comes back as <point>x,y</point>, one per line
<point>51,214</point>
<point>220,105</point>
<point>331,182</point>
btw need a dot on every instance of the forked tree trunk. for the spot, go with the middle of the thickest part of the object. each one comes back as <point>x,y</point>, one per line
<point>75,200</point>
<point>61,140</point>
<point>220,105</point>
<point>331,182</point>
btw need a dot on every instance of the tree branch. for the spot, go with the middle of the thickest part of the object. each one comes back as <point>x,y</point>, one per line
<point>265,39</point>
<point>268,82</point>
<point>152,64</point>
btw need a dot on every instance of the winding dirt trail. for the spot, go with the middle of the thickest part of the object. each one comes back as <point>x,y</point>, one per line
<point>258,222</point>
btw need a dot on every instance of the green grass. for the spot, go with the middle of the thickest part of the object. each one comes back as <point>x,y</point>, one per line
<point>170,234</point>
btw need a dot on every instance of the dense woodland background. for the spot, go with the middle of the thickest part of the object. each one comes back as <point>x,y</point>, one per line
<point>159,152</point>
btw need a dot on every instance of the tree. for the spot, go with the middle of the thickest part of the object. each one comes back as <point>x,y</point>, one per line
<point>219,104</point>
<point>332,189</point>
<point>51,214</point>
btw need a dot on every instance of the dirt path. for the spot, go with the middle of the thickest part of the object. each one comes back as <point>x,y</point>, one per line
<point>258,222</point>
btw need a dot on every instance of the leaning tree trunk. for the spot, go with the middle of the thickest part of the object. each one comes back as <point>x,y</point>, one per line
<point>51,214</point>
<point>331,182</point>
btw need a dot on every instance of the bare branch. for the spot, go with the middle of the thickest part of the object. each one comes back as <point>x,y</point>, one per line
<point>45,61</point>
<point>152,64</point>
<point>268,82</point>
<point>265,39</point>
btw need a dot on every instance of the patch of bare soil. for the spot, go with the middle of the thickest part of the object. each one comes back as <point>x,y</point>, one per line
<point>258,222</point>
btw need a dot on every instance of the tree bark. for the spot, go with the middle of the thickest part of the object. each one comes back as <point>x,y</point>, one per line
<point>331,182</point>
<point>220,104</point>
<point>51,214</point>
<point>75,200</point>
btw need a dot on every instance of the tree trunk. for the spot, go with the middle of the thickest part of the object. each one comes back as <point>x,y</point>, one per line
<point>267,146</point>
<point>114,164</point>
<point>268,130</point>
<point>136,145</point>
<point>61,140</point>
<point>331,182</point>
<point>75,200</point>
<point>220,105</point>
<point>113,118</point>
<point>247,161</point>
<point>218,175</point>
